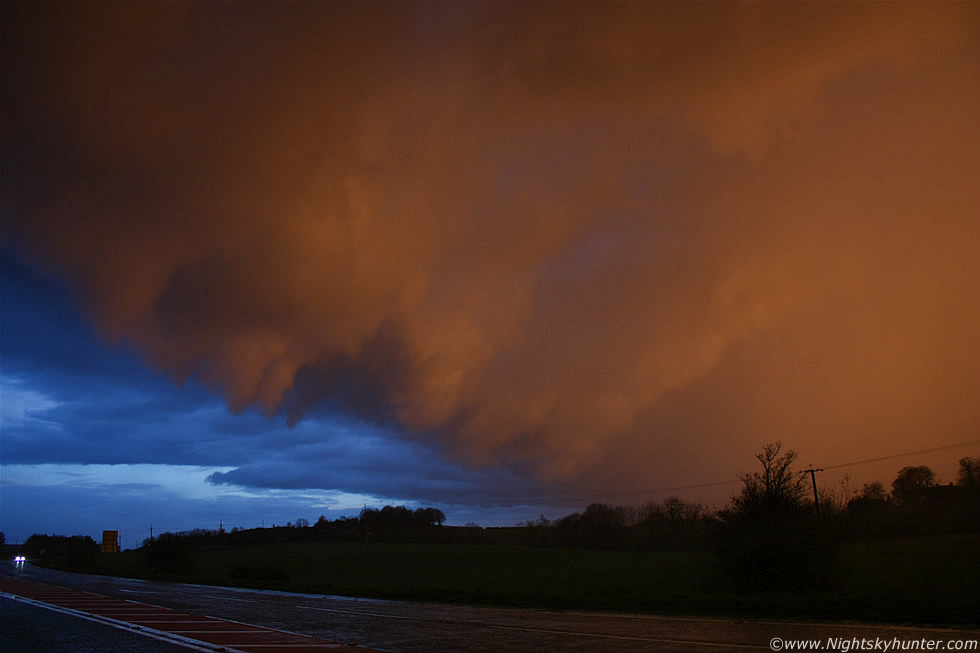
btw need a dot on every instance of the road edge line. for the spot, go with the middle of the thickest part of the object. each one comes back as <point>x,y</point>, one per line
<point>172,638</point>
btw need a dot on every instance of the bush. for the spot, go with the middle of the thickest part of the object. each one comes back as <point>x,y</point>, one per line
<point>169,555</point>
<point>75,552</point>
<point>797,553</point>
<point>770,538</point>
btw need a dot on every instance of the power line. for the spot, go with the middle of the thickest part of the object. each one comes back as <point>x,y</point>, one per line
<point>902,455</point>
<point>623,494</point>
<point>696,486</point>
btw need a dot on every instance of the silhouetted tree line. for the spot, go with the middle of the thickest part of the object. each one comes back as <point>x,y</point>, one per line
<point>671,524</point>
<point>774,495</point>
<point>8,551</point>
<point>75,551</point>
<point>769,536</point>
<point>390,523</point>
<point>917,505</point>
<point>398,523</point>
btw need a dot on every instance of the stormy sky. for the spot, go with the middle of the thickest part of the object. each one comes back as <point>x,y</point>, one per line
<point>264,260</point>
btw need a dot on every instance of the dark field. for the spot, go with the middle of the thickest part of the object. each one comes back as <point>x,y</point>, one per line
<point>932,579</point>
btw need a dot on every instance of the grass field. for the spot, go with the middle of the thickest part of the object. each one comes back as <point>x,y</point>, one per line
<point>924,579</point>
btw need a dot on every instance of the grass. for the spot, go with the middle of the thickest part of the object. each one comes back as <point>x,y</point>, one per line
<point>901,578</point>
<point>917,580</point>
<point>511,574</point>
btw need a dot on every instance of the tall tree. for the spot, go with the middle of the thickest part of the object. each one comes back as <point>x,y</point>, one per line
<point>767,539</point>
<point>777,488</point>
<point>911,481</point>
<point>969,473</point>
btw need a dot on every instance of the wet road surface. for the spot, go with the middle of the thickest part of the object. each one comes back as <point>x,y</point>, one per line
<point>193,631</point>
<point>415,627</point>
<point>25,628</point>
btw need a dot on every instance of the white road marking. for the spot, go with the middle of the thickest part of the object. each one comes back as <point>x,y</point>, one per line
<point>225,598</point>
<point>220,632</point>
<point>174,621</point>
<point>278,630</point>
<point>110,613</point>
<point>163,636</point>
<point>365,614</point>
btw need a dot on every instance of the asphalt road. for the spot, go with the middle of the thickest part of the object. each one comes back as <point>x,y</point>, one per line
<point>25,628</point>
<point>413,627</point>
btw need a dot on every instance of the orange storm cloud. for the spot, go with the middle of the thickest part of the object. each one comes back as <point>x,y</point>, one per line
<point>590,241</point>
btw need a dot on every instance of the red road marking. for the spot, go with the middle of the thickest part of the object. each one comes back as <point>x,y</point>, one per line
<point>209,632</point>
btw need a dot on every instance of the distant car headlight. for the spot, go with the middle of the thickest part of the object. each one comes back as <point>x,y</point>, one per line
<point>19,558</point>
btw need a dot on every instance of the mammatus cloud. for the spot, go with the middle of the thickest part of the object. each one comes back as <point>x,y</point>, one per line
<point>566,239</point>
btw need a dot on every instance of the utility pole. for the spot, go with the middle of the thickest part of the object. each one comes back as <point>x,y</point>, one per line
<point>151,533</point>
<point>813,478</point>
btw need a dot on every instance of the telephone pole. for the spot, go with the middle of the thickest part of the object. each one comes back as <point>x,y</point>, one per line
<point>813,478</point>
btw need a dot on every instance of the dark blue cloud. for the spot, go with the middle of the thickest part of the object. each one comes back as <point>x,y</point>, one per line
<point>73,403</point>
<point>86,500</point>
<point>86,401</point>
<point>99,402</point>
<point>374,464</point>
